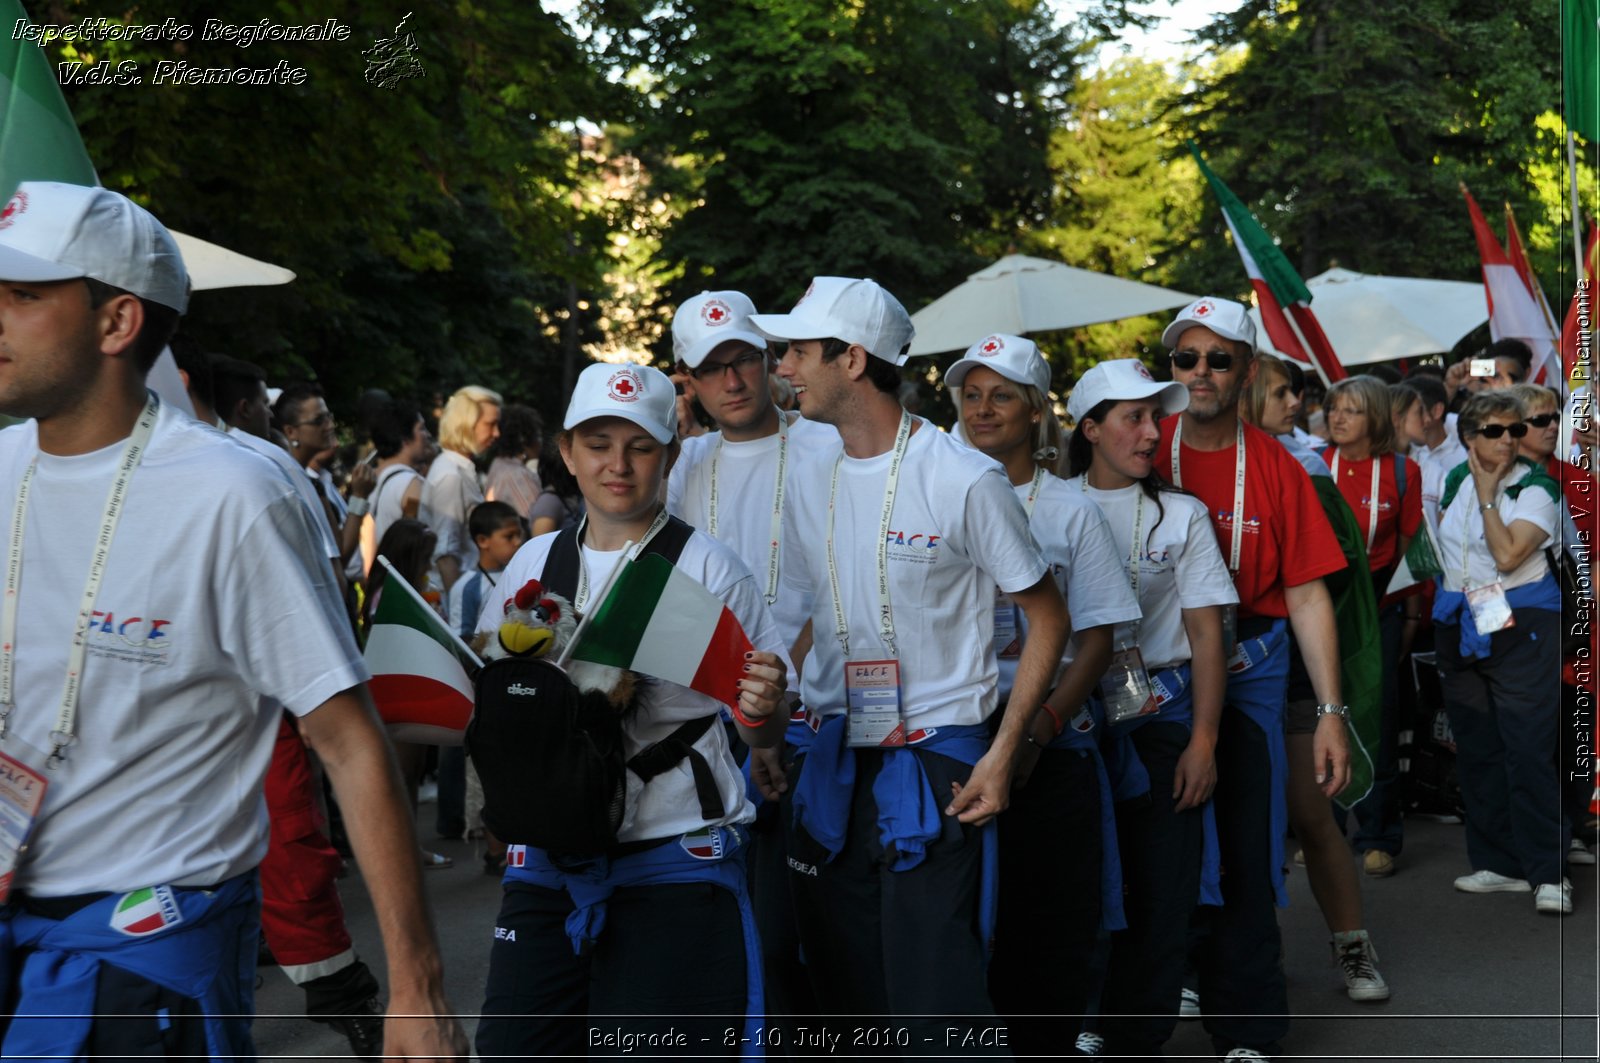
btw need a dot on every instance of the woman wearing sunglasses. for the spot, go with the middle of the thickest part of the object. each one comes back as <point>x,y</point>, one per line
<point>1499,642</point>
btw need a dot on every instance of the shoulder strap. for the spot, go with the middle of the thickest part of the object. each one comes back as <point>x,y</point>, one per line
<point>561,565</point>
<point>1400,476</point>
<point>671,539</point>
<point>676,747</point>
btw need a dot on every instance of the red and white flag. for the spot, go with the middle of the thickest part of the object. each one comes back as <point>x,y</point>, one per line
<point>1513,311</point>
<point>1578,329</point>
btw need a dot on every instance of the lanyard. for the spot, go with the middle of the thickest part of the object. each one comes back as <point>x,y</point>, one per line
<point>1135,548</point>
<point>1033,490</point>
<point>64,734</point>
<point>1239,457</point>
<point>1372,499</point>
<point>582,598</point>
<point>902,439</point>
<point>776,536</point>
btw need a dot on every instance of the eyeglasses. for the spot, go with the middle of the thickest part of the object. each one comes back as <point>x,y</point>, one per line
<point>715,370</point>
<point>1218,361</point>
<point>1495,431</point>
<point>1543,420</point>
<point>321,420</point>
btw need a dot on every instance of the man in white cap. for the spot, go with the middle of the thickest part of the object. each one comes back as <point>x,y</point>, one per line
<point>133,708</point>
<point>1278,546</point>
<point>902,538</point>
<point>734,484</point>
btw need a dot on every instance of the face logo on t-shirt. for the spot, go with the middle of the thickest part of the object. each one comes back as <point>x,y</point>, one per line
<point>128,636</point>
<point>918,548</point>
<point>1383,507</point>
<point>1223,518</point>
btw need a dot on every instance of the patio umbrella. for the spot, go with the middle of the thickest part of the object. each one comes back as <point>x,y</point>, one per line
<point>213,266</point>
<point>1021,294</point>
<point>1372,318</point>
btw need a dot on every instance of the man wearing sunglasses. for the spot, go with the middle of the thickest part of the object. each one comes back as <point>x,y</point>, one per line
<point>1279,546</point>
<point>734,484</point>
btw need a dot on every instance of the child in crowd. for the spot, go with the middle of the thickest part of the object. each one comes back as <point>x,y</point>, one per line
<point>497,531</point>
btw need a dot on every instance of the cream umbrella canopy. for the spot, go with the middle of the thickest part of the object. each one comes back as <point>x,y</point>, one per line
<point>1020,294</point>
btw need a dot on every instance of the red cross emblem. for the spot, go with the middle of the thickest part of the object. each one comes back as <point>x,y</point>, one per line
<point>1138,367</point>
<point>18,204</point>
<point>715,312</point>
<point>1202,308</point>
<point>991,345</point>
<point>624,386</point>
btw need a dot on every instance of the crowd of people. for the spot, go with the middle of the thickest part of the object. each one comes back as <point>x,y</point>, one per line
<point>1028,717</point>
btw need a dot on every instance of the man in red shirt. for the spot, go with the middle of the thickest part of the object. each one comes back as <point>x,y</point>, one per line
<point>1278,545</point>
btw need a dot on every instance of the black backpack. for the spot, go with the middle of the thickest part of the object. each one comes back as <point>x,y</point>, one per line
<point>550,756</point>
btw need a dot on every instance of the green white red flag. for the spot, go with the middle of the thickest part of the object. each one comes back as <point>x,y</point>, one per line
<point>658,621</point>
<point>1546,362</point>
<point>1280,293</point>
<point>420,669</point>
<point>38,139</point>
<point>1513,311</point>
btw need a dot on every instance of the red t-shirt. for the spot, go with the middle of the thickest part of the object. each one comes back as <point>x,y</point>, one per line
<point>1287,539</point>
<point>1396,516</point>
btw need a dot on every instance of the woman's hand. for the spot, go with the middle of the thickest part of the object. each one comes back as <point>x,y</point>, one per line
<point>761,696</point>
<point>1486,478</point>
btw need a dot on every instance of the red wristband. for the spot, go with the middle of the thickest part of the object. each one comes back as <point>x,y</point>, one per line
<point>1060,726</point>
<point>743,720</point>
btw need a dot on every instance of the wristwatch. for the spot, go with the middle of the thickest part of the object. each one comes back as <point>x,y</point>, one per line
<point>1486,507</point>
<point>1342,711</point>
<point>357,506</point>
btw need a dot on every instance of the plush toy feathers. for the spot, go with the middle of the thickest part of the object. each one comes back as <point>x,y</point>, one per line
<point>540,623</point>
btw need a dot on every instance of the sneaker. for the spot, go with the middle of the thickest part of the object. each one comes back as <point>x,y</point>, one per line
<point>1554,898</point>
<point>1377,863</point>
<point>1358,960</point>
<point>1578,853</point>
<point>363,1028</point>
<point>1089,1044</point>
<point>1189,1004</point>
<point>1247,1053</point>
<point>1491,882</point>
<point>1300,858</point>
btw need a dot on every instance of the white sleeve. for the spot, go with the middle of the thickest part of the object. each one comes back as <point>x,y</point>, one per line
<point>1535,506</point>
<point>994,533</point>
<point>1098,591</point>
<point>1202,575</point>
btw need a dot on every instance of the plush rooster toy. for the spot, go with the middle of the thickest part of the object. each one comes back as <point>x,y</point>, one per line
<point>541,624</point>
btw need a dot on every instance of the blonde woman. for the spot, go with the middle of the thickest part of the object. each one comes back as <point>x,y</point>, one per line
<point>469,424</point>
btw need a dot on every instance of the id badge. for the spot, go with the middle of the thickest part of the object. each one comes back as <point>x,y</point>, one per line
<point>1230,629</point>
<point>1490,610</point>
<point>21,794</point>
<point>1125,687</point>
<point>872,699</point>
<point>1007,632</point>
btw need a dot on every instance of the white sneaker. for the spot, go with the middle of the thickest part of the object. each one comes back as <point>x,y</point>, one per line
<point>1578,853</point>
<point>1090,1044</point>
<point>1247,1054</point>
<point>1553,898</point>
<point>1358,960</point>
<point>1491,882</point>
<point>1189,1004</point>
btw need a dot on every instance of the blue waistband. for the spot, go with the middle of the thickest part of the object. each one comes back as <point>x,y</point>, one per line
<point>1450,607</point>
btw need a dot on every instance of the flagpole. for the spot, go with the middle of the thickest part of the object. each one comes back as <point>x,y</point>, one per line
<point>1577,218</point>
<point>395,577</point>
<point>600,596</point>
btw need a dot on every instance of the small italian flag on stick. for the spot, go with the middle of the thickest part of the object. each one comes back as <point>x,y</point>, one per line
<point>660,622</point>
<point>420,678</point>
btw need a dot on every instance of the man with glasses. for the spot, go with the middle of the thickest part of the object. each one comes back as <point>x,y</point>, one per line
<point>734,484</point>
<point>1278,546</point>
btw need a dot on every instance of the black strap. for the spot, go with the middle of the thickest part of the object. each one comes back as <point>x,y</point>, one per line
<point>561,564</point>
<point>662,756</point>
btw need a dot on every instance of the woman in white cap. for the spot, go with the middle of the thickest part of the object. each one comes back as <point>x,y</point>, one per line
<point>660,925</point>
<point>1162,694</point>
<point>1001,389</point>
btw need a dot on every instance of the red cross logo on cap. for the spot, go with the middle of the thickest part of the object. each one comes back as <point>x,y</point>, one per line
<point>715,312</point>
<point>624,386</point>
<point>991,345</point>
<point>18,204</point>
<point>1202,308</point>
<point>1138,367</point>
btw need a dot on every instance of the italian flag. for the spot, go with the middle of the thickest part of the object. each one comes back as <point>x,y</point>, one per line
<point>1513,311</point>
<point>38,139</point>
<point>419,667</point>
<point>1280,293</point>
<point>660,622</point>
<point>146,911</point>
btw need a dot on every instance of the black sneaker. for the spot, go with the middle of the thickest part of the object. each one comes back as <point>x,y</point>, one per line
<point>363,1028</point>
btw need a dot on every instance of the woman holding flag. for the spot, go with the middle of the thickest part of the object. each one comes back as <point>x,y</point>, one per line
<point>660,924</point>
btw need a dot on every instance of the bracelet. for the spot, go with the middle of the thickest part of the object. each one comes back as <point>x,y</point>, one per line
<point>742,720</point>
<point>358,507</point>
<point>1342,711</point>
<point>1486,507</point>
<point>1060,726</point>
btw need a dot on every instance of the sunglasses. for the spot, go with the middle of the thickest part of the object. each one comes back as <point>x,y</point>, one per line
<point>1495,431</point>
<point>1543,420</point>
<point>1218,361</point>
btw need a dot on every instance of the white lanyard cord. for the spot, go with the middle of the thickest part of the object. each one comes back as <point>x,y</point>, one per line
<point>1135,548</point>
<point>65,735</point>
<point>1033,490</point>
<point>1372,499</point>
<point>1239,458</point>
<point>582,598</point>
<point>902,439</point>
<point>776,536</point>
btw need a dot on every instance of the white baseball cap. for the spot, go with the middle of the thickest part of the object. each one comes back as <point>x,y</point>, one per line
<point>638,393</point>
<point>56,232</point>
<point>710,319</point>
<point>1226,318</point>
<point>1013,357</point>
<point>845,308</point>
<point>1124,380</point>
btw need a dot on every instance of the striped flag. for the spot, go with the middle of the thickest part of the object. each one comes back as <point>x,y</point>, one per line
<point>419,667</point>
<point>1545,363</point>
<point>1280,293</point>
<point>1513,313</point>
<point>38,139</point>
<point>1578,331</point>
<point>660,622</point>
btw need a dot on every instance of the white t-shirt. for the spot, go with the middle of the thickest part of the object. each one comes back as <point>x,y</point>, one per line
<point>1180,567</point>
<point>666,806</point>
<point>213,603</point>
<point>747,477</point>
<point>387,498</point>
<point>1077,545</point>
<point>448,495</point>
<point>295,475</point>
<point>1436,463</point>
<point>957,531</point>
<point>1462,525</point>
